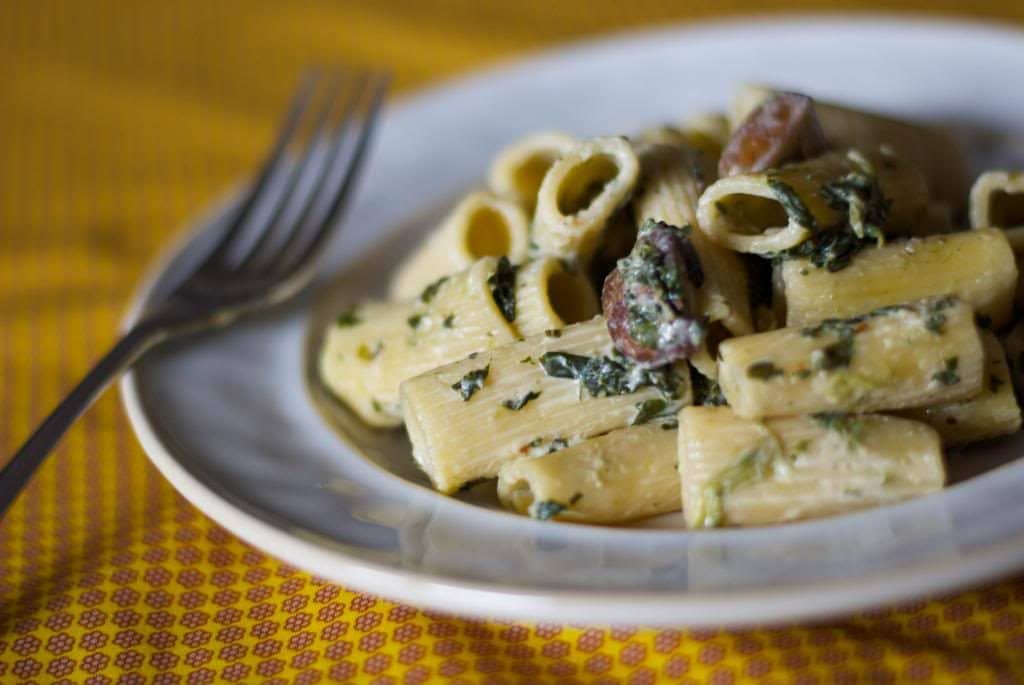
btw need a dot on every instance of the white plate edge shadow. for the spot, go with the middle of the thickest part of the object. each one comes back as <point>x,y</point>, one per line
<point>729,608</point>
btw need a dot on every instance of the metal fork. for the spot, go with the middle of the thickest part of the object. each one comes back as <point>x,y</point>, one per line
<point>266,253</point>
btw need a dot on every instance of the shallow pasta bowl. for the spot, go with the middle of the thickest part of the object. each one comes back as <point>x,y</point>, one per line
<point>236,423</point>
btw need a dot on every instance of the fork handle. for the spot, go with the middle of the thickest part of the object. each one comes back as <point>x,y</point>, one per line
<point>17,472</point>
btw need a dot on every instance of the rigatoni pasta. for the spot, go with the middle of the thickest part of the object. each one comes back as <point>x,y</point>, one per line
<point>976,266</point>
<point>624,475</point>
<point>908,355</point>
<point>481,225</point>
<point>580,193</point>
<point>738,471</point>
<point>706,316</point>
<point>872,193</point>
<point>519,169</point>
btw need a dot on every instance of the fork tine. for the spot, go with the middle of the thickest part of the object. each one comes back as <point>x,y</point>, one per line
<point>328,167</point>
<point>337,195</point>
<point>263,248</point>
<point>299,104</point>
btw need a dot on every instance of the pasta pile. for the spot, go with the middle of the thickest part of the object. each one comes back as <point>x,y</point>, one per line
<point>782,312</point>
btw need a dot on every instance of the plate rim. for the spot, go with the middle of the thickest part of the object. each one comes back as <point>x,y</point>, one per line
<point>727,608</point>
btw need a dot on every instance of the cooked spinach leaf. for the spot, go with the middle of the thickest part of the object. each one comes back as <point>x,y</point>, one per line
<point>519,403</point>
<point>948,375</point>
<point>349,317</point>
<point>471,382</point>
<point>503,288</point>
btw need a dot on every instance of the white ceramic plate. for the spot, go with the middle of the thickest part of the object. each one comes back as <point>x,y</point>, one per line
<point>229,420</point>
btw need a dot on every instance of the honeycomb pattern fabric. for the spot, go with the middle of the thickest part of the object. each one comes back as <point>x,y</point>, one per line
<point>119,121</point>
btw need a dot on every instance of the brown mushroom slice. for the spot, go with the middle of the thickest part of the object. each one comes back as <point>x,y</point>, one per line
<point>783,129</point>
<point>649,300</point>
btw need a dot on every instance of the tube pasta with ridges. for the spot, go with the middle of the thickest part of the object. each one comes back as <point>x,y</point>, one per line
<point>909,355</point>
<point>481,225</point>
<point>769,212</point>
<point>517,408</point>
<point>673,179</point>
<point>620,476</point>
<point>930,149</point>
<point>737,471</point>
<point>992,413</point>
<point>550,295</point>
<point>580,193</point>
<point>519,169</point>
<point>976,266</point>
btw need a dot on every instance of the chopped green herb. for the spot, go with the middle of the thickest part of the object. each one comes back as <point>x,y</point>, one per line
<point>576,497</point>
<point>367,353</point>
<point>414,320</point>
<point>848,425</point>
<point>431,290</point>
<point>503,288</point>
<point>859,196</point>
<point>653,408</point>
<point>832,250</point>
<point>376,406</point>
<point>604,376</point>
<point>473,355</point>
<point>834,356</point>
<point>707,391</point>
<point>348,317</point>
<point>763,370</point>
<point>948,375</point>
<point>553,333</point>
<point>517,404</point>
<point>935,320</point>
<point>795,208</point>
<point>448,321</point>
<point>548,509</point>
<point>526,360</point>
<point>753,466</point>
<point>557,444</point>
<point>471,382</point>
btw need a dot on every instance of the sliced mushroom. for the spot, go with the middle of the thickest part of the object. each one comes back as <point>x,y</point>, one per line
<point>784,128</point>
<point>649,299</point>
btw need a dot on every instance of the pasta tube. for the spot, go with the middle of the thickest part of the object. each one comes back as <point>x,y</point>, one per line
<point>369,353</point>
<point>580,192</point>
<point>738,471</point>
<point>673,179</point>
<point>976,266</point>
<point>997,199</point>
<point>529,398</point>
<point>518,170</point>
<point>481,225</point>
<point>992,413</point>
<point>927,148</point>
<point>777,210</point>
<point>908,355</point>
<point>620,476</point>
<point>550,295</point>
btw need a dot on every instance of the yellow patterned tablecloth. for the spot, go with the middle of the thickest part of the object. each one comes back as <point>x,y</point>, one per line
<point>119,120</point>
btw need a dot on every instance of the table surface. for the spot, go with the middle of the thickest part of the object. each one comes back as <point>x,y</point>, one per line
<point>119,121</point>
